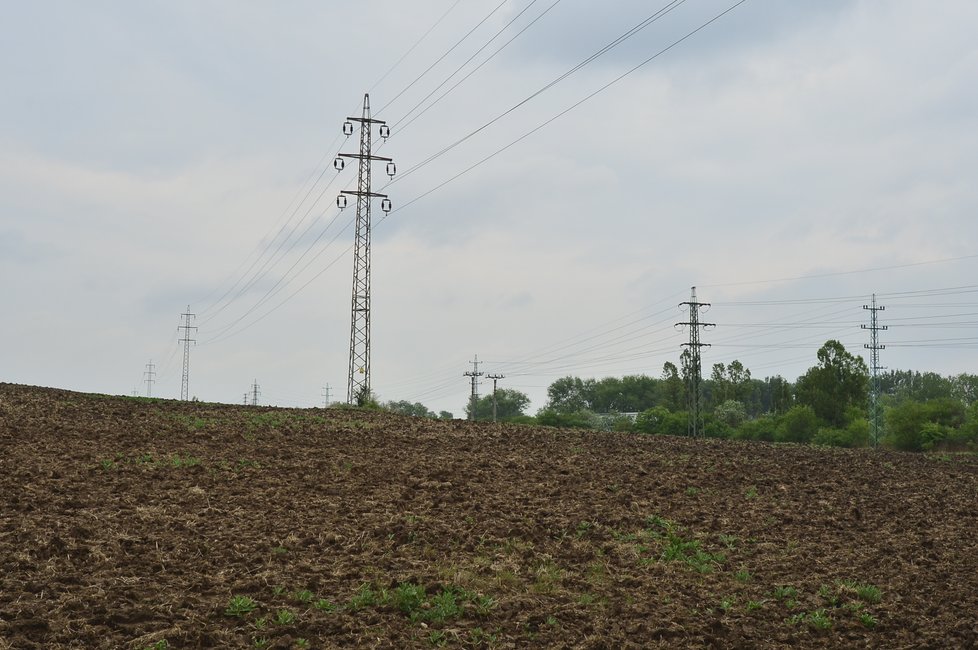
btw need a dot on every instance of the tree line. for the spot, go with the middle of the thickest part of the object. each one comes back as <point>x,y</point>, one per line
<point>827,405</point>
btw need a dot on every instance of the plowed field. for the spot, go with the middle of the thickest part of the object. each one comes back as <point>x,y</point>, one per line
<point>131,523</point>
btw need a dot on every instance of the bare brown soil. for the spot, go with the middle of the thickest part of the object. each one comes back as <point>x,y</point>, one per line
<point>129,523</point>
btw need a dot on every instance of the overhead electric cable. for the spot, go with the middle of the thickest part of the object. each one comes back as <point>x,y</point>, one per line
<point>439,59</point>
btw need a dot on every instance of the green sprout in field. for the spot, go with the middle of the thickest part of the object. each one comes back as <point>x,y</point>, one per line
<point>240,606</point>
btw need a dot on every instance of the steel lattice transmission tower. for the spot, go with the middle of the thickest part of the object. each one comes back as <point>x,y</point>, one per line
<point>186,340</point>
<point>694,373</point>
<point>150,377</point>
<point>358,386</point>
<point>874,347</point>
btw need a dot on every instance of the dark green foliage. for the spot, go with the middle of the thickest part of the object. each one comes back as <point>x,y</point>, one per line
<point>839,381</point>
<point>660,420</point>
<point>921,426</point>
<point>731,412</point>
<point>764,428</point>
<point>403,407</point>
<point>797,425</point>
<point>509,404</point>
<point>578,419</point>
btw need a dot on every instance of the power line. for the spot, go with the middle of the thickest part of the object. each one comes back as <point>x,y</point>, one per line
<point>469,60</point>
<point>441,58</point>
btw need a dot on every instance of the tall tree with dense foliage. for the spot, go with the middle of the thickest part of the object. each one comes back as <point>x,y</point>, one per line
<point>509,404</point>
<point>671,387</point>
<point>839,381</point>
<point>570,395</point>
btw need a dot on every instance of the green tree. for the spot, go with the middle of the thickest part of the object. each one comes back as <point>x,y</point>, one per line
<point>404,407</point>
<point>445,415</point>
<point>921,426</point>
<point>732,413</point>
<point>839,381</point>
<point>671,387</point>
<point>660,420</point>
<point>570,394</point>
<point>509,404</point>
<point>579,419</point>
<point>799,424</point>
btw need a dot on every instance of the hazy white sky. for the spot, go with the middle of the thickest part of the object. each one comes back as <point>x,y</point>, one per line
<point>152,153</point>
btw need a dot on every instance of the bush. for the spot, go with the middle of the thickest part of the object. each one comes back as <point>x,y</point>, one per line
<point>764,428</point>
<point>799,424</point>
<point>922,426</point>
<point>661,421</point>
<point>854,435</point>
<point>577,420</point>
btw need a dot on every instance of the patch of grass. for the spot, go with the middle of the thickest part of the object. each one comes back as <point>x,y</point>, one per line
<point>692,491</point>
<point>751,492</point>
<point>817,619</point>
<point>259,641</point>
<point>305,596</point>
<point>743,575</point>
<point>189,461</point>
<point>162,644</point>
<point>365,597</point>
<point>730,541</point>
<point>107,464</point>
<point>444,606</point>
<point>285,617</point>
<point>548,575</point>
<point>785,593</point>
<point>655,522</point>
<point>754,604</point>
<point>690,552</point>
<point>869,593</point>
<point>301,643</point>
<point>829,596</point>
<point>868,620</point>
<point>437,638</point>
<point>240,606</point>
<point>408,597</point>
<point>478,636</point>
<point>325,605</point>
<point>728,603</point>
<point>586,599</point>
<point>260,623</point>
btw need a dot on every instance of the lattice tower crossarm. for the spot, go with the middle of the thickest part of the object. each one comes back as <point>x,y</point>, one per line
<point>874,347</point>
<point>358,384</point>
<point>694,379</point>
<point>186,340</point>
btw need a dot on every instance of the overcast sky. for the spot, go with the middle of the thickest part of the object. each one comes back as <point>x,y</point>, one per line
<point>789,159</point>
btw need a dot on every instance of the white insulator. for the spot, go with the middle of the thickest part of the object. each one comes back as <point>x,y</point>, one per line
<point>341,201</point>
<point>339,163</point>
<point>347,128</point>
<point>385,205</point>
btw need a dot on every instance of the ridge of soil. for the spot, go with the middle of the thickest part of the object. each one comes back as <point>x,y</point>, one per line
<point>133,523</point>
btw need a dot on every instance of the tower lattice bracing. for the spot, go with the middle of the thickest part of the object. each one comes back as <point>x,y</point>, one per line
<point>693,365</point>
<point>874,347</point>
<point>358,386</point>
